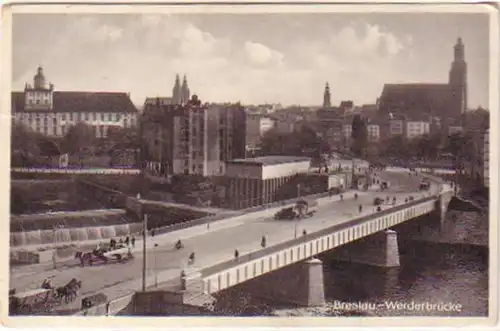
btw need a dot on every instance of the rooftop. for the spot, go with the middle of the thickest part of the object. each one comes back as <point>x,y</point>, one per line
<point>271,160</point>
<point>69,101</point>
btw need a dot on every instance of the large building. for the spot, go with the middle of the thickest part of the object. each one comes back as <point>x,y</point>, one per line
<point>442,100</point>
<point>192,138</point>
<point>50,112</point>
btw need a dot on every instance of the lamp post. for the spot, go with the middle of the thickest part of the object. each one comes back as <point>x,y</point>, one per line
<point>352,170</point>
<point>295,223</point>
<point>144,235</point>
<point>54,230</point>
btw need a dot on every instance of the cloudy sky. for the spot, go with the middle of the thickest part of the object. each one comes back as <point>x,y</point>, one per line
<point>252,58</point>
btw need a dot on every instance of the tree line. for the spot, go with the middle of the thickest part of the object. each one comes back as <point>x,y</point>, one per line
<point>30,148</point>
<point>306,141</point>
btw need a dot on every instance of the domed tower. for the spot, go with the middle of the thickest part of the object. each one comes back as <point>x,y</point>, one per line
<point>458,81</point>
<point>327,96</point>
<point>39,79</point>
<point>40,95</point>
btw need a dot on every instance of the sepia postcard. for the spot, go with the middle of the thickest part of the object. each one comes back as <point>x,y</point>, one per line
<point>280,165</point>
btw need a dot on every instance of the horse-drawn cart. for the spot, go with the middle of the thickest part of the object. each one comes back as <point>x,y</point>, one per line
<point>30,301</point>
<point>104,257</point>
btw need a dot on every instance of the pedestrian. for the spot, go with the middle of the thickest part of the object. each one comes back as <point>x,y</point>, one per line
<point>304,232</point>
<point>152,232</point>
<point>263,242</point>
<point>133,241</point>
<point>360,208</point>
<point>236,254</point>
<point>341,197</point>
<point>127,240</point>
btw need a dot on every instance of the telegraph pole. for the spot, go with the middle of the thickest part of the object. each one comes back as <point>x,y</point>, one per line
<point>144,231</point>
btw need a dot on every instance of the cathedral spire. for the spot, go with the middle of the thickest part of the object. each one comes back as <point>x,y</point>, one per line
<point>176,91</point>
<point>185,94</point>
<point>327,96</point>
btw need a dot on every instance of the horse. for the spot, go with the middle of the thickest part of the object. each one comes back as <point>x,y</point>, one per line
<point>69,291</point>
<point>89,257</point>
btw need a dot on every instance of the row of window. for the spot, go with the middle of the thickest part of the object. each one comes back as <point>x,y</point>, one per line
<point>100,131</point>
<point>86,116</point>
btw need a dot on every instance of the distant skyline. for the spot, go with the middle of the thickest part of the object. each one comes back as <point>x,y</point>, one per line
<point>252,58</point>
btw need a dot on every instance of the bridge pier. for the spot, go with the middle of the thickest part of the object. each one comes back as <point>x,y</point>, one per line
<point>441,209</point>
<point>300,283</point>
<point>379,250</point>
<point>187,299</point>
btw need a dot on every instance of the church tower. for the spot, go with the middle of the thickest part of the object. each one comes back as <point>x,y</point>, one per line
<point>176,92</point>
<point>39,95</point>
<point>458,81</point>
<point>326,96</point>
<point>185,91</point>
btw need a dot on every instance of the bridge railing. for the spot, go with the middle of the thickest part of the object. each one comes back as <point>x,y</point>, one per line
<point>276,248</point>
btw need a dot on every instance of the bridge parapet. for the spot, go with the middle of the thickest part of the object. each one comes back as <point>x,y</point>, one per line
<point>250,266</point>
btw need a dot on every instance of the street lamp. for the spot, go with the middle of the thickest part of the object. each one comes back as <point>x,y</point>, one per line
<point>54,230</point>
<point>144,235</point>
<point>295,223</point>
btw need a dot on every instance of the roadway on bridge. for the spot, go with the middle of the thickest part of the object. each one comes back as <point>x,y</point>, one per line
<point>216,246</point>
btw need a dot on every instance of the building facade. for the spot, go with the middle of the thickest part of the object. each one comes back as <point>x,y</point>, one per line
<point>373,130</point>
<point>194,138</point>
<point>415,129</point>
<point>256,126</point>
<point>441,100</point>
<point>52,113</point>
<point>262,180</point>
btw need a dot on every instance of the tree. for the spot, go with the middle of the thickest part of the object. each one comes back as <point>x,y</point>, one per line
<point>79,140</point>
<point>24,145</point>
<point>128,137</point>
<point>359,136</point>
<point>302,142</point>
<point>426,147</point>
<point>461,146</point>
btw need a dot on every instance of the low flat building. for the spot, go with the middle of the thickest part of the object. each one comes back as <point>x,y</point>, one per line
<point>262,180</point>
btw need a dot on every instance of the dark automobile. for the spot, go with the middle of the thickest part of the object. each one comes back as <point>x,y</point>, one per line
<point>285,213</point>
<point>424,185</point>
<point>378,201</point>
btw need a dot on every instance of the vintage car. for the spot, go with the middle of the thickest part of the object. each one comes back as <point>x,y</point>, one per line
<point>378,201</point>
<point>424,185</point>
<point>285,213</point>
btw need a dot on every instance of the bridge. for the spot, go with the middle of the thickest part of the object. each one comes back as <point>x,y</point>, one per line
<point>338,227</point>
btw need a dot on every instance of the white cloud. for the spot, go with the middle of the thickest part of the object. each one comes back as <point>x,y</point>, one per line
<point>143,56</point>
<point>258,54</point>
<point>368,42</point>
